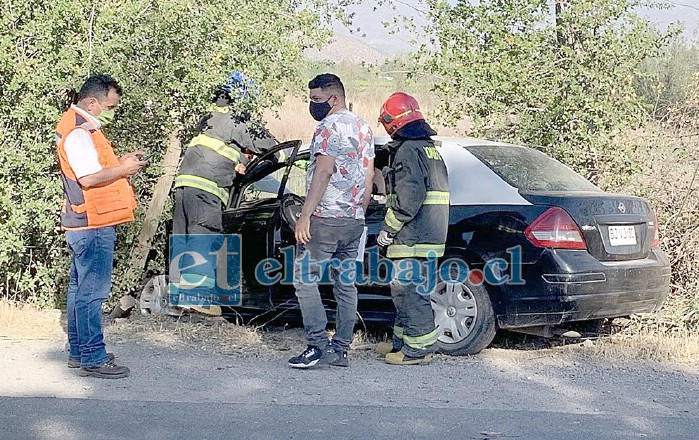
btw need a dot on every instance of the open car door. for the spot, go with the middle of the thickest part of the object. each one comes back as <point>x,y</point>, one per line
<point>262,166</point>
<point>257,219</point>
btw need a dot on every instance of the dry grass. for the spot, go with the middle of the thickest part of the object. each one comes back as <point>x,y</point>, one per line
<point>216,334</point>
<point>186,331</point>
<point>670,182</point>
<point>22,321</point>
<point>669,156</point>
<point>292,120</point>
<point>671,348</point>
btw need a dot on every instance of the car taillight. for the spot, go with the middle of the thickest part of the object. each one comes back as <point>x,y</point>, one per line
<point>656,232</point>
<point>555,229</point>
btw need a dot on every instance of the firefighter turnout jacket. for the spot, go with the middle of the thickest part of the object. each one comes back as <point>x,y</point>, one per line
<point>418,199</point>
<point>212,157</point>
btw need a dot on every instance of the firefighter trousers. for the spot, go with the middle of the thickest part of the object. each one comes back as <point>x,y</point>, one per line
<point>414,330</point>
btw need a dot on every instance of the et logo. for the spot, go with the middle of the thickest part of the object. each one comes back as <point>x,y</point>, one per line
<point>205,269</point>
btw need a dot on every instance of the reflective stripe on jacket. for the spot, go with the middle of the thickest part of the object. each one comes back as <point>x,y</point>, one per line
<point>91,208</point>
<point>209,164</point>
<point>203,184</point>
<point>418,200</point>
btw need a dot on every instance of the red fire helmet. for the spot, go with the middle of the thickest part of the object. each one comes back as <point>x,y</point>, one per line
<point>399,110</point>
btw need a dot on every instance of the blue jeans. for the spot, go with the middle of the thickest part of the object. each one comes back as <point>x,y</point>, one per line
<point>330,238</point>
<point>90,283</point>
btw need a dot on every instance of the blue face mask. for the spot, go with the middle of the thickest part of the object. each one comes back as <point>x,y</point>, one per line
<point>319,110</point>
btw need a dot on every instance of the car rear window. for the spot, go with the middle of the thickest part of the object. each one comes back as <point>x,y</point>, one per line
<point>530,170</point>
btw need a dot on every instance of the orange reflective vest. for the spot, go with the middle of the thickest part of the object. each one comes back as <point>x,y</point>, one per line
<point>90,208</point>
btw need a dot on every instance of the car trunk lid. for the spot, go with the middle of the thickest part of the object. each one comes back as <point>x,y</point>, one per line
<point>615,227</point>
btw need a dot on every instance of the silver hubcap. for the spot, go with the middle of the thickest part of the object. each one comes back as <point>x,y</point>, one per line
<point>455,311</point>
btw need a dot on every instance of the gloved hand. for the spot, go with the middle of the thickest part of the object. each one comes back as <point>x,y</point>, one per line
<point>240,168</point>
<point>385,238</point>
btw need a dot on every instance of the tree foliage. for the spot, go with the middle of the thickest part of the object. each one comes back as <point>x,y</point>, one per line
<point>666,80</point>
<point>167,54</point>
<point>563,72</point>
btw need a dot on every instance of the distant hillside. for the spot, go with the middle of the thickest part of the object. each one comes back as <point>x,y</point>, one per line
<point>348,49</point>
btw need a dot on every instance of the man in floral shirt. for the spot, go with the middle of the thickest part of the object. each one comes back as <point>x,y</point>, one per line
<point>331,223</point>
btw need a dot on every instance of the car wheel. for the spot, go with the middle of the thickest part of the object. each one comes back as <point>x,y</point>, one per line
<point>463,316</point>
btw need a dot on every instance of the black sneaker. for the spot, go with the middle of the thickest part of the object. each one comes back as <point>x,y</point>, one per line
<point>341,360</point>
<point>330,355</point>
<point>108,370</point>
<point>75,363</point>
<point>309,358</point>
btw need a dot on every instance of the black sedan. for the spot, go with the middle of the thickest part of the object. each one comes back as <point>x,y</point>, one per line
<point>575,253</point>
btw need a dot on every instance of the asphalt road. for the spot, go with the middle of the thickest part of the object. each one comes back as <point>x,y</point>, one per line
<point>52,418</point>
<point>194,394</point>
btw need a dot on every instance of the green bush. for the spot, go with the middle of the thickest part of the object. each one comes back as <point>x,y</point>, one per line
<point>664,81</point>
<point>167,54</point>
<point>562,79</point>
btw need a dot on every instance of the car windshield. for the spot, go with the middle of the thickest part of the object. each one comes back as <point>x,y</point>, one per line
<point>530,170</point>
<point>268,186</point>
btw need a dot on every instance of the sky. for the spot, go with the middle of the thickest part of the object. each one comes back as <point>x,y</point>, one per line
<point>370,15</point>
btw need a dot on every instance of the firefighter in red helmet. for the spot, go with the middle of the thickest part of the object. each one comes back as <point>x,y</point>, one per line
<point>415,226</point>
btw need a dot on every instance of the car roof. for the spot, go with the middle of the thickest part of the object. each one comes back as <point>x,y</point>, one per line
<point>445,141</point>
<point>484,187</point>
<point>454,141</point>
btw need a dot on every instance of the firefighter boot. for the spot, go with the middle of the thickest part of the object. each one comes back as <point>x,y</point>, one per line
<point>383,348</point>
<point>400,358</point>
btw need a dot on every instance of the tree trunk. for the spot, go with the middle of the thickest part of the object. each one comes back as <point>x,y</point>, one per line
<point>139,252</point>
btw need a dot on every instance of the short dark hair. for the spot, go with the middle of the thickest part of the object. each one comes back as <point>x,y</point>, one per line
<point>98,86</point>
<point>327,81</point>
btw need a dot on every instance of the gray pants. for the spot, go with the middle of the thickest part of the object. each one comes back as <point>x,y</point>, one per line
<point>330,238</point>
<point>414,330</point>
<point>196,212</point>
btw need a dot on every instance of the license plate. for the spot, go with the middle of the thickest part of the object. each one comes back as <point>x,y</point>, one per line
<point>622,235</point>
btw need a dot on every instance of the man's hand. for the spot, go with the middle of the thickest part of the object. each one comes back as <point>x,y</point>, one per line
<point>385,238</point>
<point>136,154</point>
<point>127,167</point>
<point>303,229</point>
<point>132,164</point>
